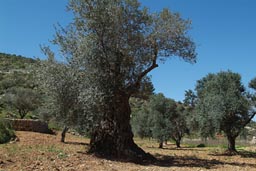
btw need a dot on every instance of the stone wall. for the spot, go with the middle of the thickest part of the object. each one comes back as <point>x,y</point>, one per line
<point>30,125</point>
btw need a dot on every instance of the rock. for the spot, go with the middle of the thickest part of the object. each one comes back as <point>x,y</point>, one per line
<point>253,141</point>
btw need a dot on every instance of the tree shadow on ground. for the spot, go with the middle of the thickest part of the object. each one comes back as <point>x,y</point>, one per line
<point>175,148</point>
<point>76,143</point>
<point>242,153</point>
<point>192,161</point>
<point>247,154</point>
<point>177,161</point>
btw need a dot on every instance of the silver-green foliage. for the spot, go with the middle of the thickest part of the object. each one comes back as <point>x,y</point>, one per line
<point>160,118</point>
<point>67,96</point>
<point>118,42</point>
<point>115,44</point>
<point>223,104</point>
<point>161,111</point>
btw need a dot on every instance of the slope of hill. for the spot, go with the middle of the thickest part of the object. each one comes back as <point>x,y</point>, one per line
<point>10,62</point>
<point>15,73</point>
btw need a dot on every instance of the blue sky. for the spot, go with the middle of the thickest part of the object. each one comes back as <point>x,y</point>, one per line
<point>224,31</point>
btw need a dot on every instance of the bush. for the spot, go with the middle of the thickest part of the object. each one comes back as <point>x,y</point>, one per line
<point>201,145</point>
<point>6,131</point>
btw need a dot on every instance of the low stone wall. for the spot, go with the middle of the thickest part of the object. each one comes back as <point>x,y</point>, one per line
<point>30,125</point>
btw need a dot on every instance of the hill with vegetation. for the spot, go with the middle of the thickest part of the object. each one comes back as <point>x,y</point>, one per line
<point>10,62</point>
<point>16,78</point>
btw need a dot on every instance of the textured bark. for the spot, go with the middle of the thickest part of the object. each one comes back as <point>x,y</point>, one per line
<point>113,137</point>
<point>231,145</point>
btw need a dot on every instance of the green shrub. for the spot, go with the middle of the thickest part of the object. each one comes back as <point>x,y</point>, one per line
<point>54,125</point>
<point>201,145</point>
<point>6,131</point>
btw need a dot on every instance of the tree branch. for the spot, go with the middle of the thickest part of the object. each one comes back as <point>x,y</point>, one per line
<point>246,122</point>
<point>134,86</point>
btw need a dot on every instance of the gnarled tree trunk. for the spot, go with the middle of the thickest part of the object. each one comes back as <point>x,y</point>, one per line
<point>231,144</point>
<point>114,137</point>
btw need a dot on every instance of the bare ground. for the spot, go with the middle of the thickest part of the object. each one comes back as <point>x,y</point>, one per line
<point>37,151</point>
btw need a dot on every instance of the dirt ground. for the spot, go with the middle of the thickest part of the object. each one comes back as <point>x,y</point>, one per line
<point>37,151</point>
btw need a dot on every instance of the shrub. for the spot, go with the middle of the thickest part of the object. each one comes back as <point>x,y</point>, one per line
<point>201,145</point>
<point>6,131</point>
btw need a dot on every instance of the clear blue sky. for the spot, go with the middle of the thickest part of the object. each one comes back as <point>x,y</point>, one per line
<point>224,31</point>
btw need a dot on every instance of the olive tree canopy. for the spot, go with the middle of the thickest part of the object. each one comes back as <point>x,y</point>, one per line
<point>116,43</point>
<point>223,104</point>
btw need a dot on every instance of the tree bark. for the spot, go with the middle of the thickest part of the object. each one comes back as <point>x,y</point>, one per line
<point>113,137</point>
<point>161,143</point>
<point>63,134</point>
<point>231,145</point>
<point>177,143</point>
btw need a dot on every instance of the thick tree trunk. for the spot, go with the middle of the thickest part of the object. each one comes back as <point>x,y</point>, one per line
<point>63,134</point>
<point>177,143</point>
<point>161,143</point>
<point>113,137</point>
<point>231,145</point>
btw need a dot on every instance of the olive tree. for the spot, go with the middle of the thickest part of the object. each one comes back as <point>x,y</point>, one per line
<point>60,84</point>
<point>161,110</point>
<point>117,43</point>
<point>179,126</point>
<point>23,100</point>
<point>161,118</point>
<point>223,105</point>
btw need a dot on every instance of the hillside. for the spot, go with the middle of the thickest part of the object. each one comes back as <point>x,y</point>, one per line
<point>10,62</point>
<point>15,73</point>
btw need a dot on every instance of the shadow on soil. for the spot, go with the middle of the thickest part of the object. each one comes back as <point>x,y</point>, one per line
<point>179,149</point>
<point>242,153</point>
<point>247,154</point>
<point>76,143</point>
<point>192,161</point>
<point>177,161</point>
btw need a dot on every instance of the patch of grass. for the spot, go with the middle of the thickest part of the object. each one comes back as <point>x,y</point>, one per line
<point>13,149</point>
<point>224,146</point>
<point>190,145</point>
<point>60,153</point>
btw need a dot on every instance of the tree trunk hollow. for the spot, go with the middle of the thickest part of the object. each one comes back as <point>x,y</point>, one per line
<point>113,137</point>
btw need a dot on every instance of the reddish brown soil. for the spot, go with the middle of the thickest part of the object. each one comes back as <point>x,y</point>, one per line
<point>37,151</point>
